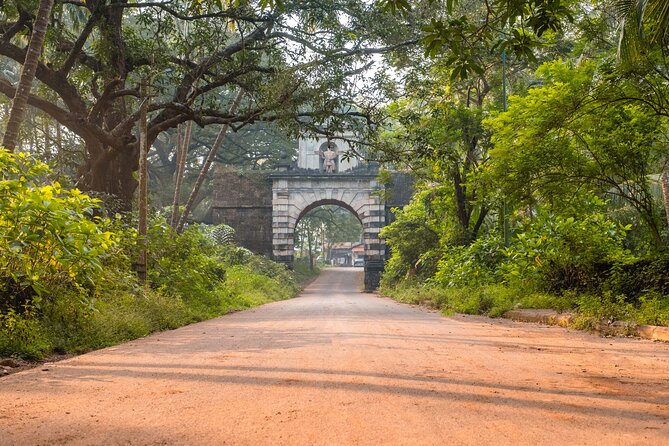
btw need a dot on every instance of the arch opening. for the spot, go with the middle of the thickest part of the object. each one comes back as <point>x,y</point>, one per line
<point>329,234</point>
<point>328,202</point>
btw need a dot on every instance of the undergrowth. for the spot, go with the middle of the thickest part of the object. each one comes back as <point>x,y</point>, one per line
<point>495,300</point>
<point>66,277</point>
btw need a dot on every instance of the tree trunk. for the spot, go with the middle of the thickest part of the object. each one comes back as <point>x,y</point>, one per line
<point>664,182</point>
<point>20,101</point>
<point>462,209</point>
<point>207,164</point>
<point>59,151</point>
<point>182,153</point>
<point>311,249</point>
<point>111,170</point>
<point>143,185</point>
<point>110,166</point>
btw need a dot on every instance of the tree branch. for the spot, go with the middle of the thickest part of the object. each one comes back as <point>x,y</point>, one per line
<point>79,43</point>
<point>57,82</point>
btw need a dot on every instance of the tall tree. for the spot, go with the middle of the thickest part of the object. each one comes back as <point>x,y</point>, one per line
<point>30,63</point>
<point>143,201</point>
<point>562,138</point>
<point>183,141</point>
<point>643,30</point>
<point>441,137</point>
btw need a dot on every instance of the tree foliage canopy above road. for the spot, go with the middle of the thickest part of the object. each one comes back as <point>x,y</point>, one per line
<point>560,193</point>
<point>296,61</point>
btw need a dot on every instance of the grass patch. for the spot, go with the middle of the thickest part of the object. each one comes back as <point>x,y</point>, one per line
<point>486,300</point>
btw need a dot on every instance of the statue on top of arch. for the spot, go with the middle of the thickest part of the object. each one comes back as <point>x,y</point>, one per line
<point>329,157</point>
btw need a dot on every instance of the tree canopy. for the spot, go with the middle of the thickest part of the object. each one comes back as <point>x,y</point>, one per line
<point>297,62</point>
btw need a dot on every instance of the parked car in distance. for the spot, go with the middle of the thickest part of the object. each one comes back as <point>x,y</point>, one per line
<point>359,262</point>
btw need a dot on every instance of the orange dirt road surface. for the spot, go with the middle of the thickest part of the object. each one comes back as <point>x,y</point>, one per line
<point>339,367</point>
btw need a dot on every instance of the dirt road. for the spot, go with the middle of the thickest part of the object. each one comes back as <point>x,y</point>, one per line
<point>337,367</point>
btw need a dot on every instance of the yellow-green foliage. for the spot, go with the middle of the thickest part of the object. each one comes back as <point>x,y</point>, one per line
<point>47,239</point>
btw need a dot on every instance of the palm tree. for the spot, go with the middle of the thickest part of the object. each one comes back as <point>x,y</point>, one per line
<point>20,101</point>
<point>643,26</point>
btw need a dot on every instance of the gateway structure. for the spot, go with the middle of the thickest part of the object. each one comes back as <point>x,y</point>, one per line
<point>265,207</point>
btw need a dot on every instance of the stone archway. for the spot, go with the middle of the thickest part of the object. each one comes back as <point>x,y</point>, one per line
<point>264,207</point>
<point>296,193</point>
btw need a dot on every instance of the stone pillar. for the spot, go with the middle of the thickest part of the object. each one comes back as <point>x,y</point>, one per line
<point>283,225</point>
<point>373,219</point>
<point>373,271</point>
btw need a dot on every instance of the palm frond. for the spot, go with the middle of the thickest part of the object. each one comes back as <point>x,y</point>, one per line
<point>643,23</point>
<point>657,13</point>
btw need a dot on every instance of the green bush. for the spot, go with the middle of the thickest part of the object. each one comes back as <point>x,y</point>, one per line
<point>47,238</point>
<point>607,307</point>
<point>66,279</point>
<point>195,267</point>
<point>475,264</point>
<point>635,278</point>
<point>652,309</point>
<point>413,240</point>
<point>21,335</point>
<point>557,253</point>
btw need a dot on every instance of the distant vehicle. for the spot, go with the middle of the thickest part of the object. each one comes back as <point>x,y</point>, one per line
<point>359,262</point>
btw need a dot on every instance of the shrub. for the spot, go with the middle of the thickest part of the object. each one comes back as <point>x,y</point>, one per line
<point>48,241</point>
<point>653,309</point>
<point>475,264</point>
<point>635,278</point>
<point>607,306</point>
<point>21,335</point>
<point>413,240</point>
<point>222,234</point>
<point>558,253</point>
<point>184,265</point>
<point>66,282</point>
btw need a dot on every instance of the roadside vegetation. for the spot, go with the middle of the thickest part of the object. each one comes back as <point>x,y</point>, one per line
<point>66,274</point>
<point>553,196</point>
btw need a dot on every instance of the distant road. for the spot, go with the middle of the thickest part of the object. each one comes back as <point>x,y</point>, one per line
<point>339,367</point>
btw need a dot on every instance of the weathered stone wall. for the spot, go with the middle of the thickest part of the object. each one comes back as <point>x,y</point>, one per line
<point>399,190</point>
<point>244,201</point>
<point>398,193</point>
